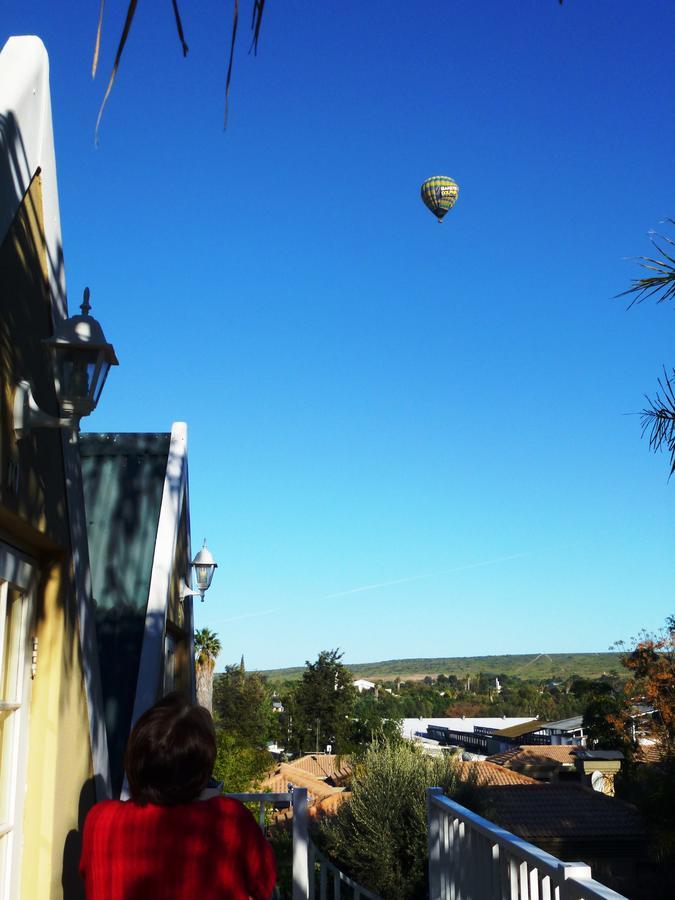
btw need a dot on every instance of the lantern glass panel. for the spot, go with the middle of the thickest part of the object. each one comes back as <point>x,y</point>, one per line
<point>103,374</point>
<point>78,369</point>
<point>203,574</point>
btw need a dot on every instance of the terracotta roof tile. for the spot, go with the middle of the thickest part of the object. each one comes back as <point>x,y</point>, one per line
<point>563,753</point>
<point>285,774</point>
<point>536,754</point>
<point>537,811</point>
<point>486,774</point>
<point>323,765</point>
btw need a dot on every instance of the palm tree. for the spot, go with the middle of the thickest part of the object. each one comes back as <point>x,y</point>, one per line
<point>207,648</point>
<point>658,416</point>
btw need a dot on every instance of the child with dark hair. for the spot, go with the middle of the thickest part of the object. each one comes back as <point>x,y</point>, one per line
<point>166,843</point>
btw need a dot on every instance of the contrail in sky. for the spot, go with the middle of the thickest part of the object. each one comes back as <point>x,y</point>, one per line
<point>477,565</point>
<point>251,615</point>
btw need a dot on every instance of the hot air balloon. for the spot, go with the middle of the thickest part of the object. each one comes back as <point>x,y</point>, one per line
<point>439,194</point>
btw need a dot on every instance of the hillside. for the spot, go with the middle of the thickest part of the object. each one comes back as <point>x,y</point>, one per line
<point>530,666</point>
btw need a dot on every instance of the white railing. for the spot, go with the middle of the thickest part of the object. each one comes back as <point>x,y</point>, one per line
<point>471,858</point>
<point>326,873</point>
<point>309,864</point>
<point>298,800</point>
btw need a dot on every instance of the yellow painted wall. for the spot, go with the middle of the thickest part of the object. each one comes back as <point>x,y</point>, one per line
<point>34,517</point>
<point>59,756</point>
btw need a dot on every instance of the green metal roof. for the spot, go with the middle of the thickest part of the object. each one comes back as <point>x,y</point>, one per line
<point>123,477</point>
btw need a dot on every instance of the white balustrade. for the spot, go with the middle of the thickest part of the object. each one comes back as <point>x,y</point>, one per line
<point>309,864</point>
<point>298,800</point>
<point>471,858</point>
<point>332,879</point>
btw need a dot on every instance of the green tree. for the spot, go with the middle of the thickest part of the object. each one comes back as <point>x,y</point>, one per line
<point>607,724</point>
<point>239,767</point>
<point>242,704</point>
<point>323,705</point>
<point>207,648</point>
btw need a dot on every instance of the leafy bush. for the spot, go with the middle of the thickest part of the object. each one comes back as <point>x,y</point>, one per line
<point>380,835</point>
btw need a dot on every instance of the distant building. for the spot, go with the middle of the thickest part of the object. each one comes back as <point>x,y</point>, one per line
<point>562,731</point>
<point>362,685</point>
<point>469,733</point>
<point>490,735</point>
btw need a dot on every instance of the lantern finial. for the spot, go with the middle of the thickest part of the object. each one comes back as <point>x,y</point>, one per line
<point>85,306</point>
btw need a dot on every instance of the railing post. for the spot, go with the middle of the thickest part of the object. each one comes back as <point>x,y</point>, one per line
<point>577,870</point>
<point>300,844</point>
<point>434,837</point>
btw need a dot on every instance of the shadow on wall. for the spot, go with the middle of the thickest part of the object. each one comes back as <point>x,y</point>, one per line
<point>33,501</point>
<point>73,886</point>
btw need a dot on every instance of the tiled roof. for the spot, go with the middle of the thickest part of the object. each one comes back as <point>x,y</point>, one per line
<point>326,807</point>
<point>485,774</point>
<point>285,774</point>
<point>563,753</point>
<point>323,765</point>
<point>649,753</point>
<point>538,811</point>
<point>536,755</point>
<point>329,805</point>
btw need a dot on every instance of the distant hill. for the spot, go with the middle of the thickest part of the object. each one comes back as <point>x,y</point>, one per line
<point>530,666</point>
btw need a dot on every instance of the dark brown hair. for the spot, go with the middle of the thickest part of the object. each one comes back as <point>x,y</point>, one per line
<point>170,752</point>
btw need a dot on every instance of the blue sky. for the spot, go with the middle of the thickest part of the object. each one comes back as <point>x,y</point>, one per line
<point>371,396</point>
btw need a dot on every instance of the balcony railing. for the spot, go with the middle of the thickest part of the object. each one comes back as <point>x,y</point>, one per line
<point>325,879</point>
<point>312,871</point>
<point>471,858</point>
<point>298,800</point>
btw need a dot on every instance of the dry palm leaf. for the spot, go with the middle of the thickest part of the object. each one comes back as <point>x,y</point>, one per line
<point>97,45</point>
<point>125,34</point>
<point>256,22</point>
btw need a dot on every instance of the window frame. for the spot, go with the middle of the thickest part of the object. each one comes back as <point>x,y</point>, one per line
<point>21,571</point>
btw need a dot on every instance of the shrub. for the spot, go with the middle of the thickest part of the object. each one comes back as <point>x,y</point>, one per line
<point>380,835</point>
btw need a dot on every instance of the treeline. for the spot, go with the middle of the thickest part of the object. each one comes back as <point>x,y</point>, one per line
<point>323,711</point>
<point>537,667</point>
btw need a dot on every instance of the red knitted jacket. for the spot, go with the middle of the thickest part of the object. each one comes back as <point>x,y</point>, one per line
<point>207,850</point>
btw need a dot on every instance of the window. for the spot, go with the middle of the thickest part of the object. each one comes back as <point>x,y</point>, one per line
<point>15,660</point>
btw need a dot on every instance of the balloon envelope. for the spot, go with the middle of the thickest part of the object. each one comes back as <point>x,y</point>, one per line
<point>439,194</point>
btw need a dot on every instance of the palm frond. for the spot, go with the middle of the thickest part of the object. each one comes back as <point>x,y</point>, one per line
<point>256,22</point>
<point>660,284</point>
<point>179,27</point>
<point>658,417</point>
<point>97,42</point>
<point>125,34</point>
<point>235,23</point>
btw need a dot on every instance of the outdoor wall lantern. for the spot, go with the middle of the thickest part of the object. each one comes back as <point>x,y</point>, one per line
<point>204,565</point>
<point>82,359</point>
